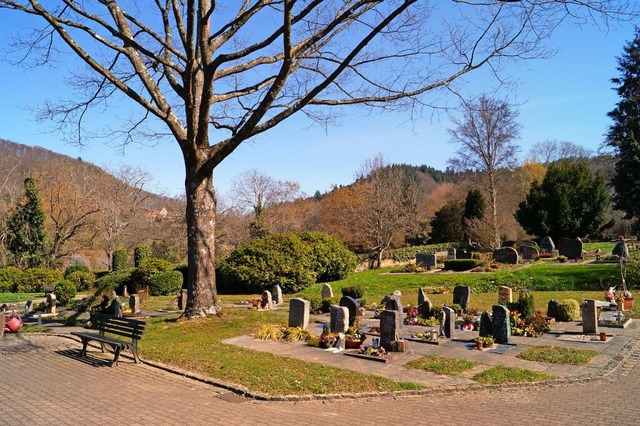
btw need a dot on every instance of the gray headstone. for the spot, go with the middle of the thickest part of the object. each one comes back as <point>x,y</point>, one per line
<point>486,328</point>
<point>570,247</point>
<point>449,322</point>
<point>501,324</point>
<point>266,302</point>
<point>451,253</point>
<point>589,317</point>
<point>507,255</point>
<point>422,296</point>
<point>52,303</point>
<point>547,245</point>
<point>116,307</point>
<point>394,303</point>
<point>134,303</point>
<point>352,305</point>
<point>299,313</point>
<point>529,243</point>
<point>276,293</point>
<point>621,250</point>
<point>326,292</point>
<point>339,317</point>
<point>182,299</point>
<point>461,296</point>
<point>552,308</point>
<point>528,253</point>
<point>505,295</point>
<point>389,328</point>
<point>426,260</point>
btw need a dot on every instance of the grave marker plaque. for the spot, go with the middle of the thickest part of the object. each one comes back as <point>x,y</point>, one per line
<point>528,253</point>
<point>589,317</point>
<point>134,304</point>
<point>326,292</point>
<point>352,305</point>
<point>389,328</point>
<point>621,250</point>
<point>506,255</point>
<point>299,313</point>
<point>547,245</point>
<point>501,324</point>
<point>485,325</point>
<point>449,322</point>
<point>570,247</point>
<point>266,302</point>
<point>339,317</point>
<point>505,295</point>
<point>276,292</point>
<point>451,253</point>
<point>461,296</point>
<point>426,260</point>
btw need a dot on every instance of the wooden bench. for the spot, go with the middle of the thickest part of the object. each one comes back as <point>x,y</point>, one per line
<point>130,329</point>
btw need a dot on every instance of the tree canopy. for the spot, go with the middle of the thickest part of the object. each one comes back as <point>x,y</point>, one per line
<point>570,202</point>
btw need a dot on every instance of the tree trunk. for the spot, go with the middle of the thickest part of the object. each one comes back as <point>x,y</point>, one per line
<point>494,210</point>
<point>202,297</point>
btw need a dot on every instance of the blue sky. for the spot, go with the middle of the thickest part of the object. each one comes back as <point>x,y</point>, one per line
<point>565,97</point>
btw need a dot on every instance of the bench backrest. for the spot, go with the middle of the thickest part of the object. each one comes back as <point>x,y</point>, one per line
<point>124,327</point>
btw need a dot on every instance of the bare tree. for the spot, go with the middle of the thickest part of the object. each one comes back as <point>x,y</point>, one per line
<point>485,134</point>
<point>550,151</point>
<point>215,75</point>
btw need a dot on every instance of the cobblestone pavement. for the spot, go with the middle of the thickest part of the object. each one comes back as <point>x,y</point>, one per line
<point>44,382</point>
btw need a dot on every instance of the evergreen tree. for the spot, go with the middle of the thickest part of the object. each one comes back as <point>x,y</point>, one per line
<point>624,133</point>
<point>26,238</point>
<point>570,202</point>
<point>446,225</point>
<point>474,207</point>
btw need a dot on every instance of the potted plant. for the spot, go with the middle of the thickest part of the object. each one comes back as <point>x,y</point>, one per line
<point>467,321</point>
<point>619,303</point>
<point>353,337</point>
<point>628,300</point>
<point>484,342</point>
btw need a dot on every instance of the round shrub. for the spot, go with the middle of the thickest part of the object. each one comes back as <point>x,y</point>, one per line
<point>331,260</point>
<point>65,291</point>
<point>282,259</point>
<point>119,260</point>
<point>141,252</point>
<point>165,283</point>
<point>83,280</point>
<point>36,278</point>
<point>141,276</point>
<point>78,267</point>
<point>568,310</point>
<point>113,281</point>
<point>10,279</point>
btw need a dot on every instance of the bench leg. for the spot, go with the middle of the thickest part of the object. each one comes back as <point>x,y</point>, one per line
<point>102,347</point>
<point>116,351</point>
<point>85,342</point>
<point>134,350</point>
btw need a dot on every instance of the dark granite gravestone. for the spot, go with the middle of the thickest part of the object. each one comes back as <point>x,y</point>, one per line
<point>589,317</point>
<point>422,296</point>
<point>505,295</point>
<point>276,292</point>
<point>547,245</point>
<point>326,292</point>
<point>570,247</point>
<point>299,313</point>
<point>621,250</point>
<point>116,307</point>
<point>426,260</point>
<point>352,305</point>
<point>451,253</point>
<point>552,308</point>
<point>339,319</point>
<point>529,243</point>
<point>485,325</point>
<point>393,303</point>
<point>464,255</point>
<point>461,296</point>
<point>507,255</point>
<point>449,322</point>
<point>389,328</point>
<point>426,308</point>
<point>501,324</point>
<point>528,253</point>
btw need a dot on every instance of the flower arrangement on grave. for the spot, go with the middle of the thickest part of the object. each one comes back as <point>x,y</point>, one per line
<point>485,342</point>
<point>328,340</point>
<point>377,313</point>
<point>354,337</point>
<point>413,317</point>
<point>371,351</point>
<point>517,323</point>
<point>427,335</point>
<point>467,321</point>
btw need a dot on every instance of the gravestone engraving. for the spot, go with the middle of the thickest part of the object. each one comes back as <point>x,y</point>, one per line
<point>389,328</point>
<point>276,293</point>
<point>506,255</point>
<point>449,322</point>
<point>51,302</point>
<point>339,319</point>
<point>426,260</point>
<point>266,302</point>
<point>589,317</point>
<point>134,304</point>
<point>501,324</point>
<point>299,313</point>
<point>528,253</point>
<point>422,296</point>
<point>461,296</point>
<point>570,247</point>
<point>552,308</point>
<point>486,329</point>
<point>505,295</point>
<point>352,305</point>
<point>451,253</point>
<point>326,292</point>
<point>621,250</point>
<point>547,245</point>
<point>182,299</point>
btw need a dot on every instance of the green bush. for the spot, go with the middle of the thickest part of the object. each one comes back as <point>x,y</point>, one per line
<point>119,260</point>
<point>568,310</point>
<point>165,283</point>
<point>354,291</point>
<point>114,281</point>
<point>552,308</point>
<point>77,267</point>
<point>10,279</point>
<point>461,264</point>
<point>141,276</point>
<point>65,291</point>
<point>332,261</point>
<point>325,306</point>
<point>141,252</point>
<point>83,280</point>
<point>632,273</point>
<point>282,259</point>
<point>36,278</point>
<point>526,305</point>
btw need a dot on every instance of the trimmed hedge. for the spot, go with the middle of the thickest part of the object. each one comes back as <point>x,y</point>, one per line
<point>114,281</point>
<point>82,280</point>
<point>65,291</point>
<point>36,278</point>
<point>78,267</point>
<point>461,264</point>
<point>119,260</point>
<point>142,275</point>
<point>141,252</point>
<point>165,283</point>
<point>10,279</point>
<point>568,310</point>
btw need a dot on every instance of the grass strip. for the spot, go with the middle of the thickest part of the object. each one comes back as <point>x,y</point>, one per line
<point>442,365</point>
<point>500,374</point>
<point>558,355</point>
